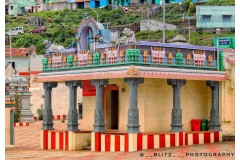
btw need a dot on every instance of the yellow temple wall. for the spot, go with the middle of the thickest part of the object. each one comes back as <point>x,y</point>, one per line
<point>155,103</point>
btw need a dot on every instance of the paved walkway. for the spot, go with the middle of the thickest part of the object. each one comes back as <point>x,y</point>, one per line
<point>27,142</point>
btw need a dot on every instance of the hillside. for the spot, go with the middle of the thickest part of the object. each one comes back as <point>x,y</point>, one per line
<point>62,25</point>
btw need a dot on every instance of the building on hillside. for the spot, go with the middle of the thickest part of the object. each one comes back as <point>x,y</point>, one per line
<point>6,6</point>
<point>215,17</point>
<point>175,1</point>
<point>71,4</point>
<point>137,95</point>
<point>17,7</point>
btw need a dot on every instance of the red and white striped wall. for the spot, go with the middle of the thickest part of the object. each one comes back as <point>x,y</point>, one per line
<point>130,142</point>
<point>64,140</point>
<point>109,142</point>
<point>192,138</point>
<point>52,139</point>
<point>16,124</point>
<point>56,117</point>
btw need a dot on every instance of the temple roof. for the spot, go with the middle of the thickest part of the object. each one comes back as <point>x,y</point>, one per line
<point>16,80</point>
<point>131,71</point>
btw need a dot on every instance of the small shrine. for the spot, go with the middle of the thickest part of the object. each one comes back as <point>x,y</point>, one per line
<point>17,85</point>
<point>143,94</point>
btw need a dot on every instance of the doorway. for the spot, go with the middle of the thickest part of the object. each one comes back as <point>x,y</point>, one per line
<point>111,107</point>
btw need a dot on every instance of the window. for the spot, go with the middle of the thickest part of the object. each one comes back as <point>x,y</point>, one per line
<point>226,18</point>
<point>206,18</point>
<point>11,7</point>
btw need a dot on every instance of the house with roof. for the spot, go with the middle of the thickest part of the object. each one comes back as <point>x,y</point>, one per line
<point>16,7</point>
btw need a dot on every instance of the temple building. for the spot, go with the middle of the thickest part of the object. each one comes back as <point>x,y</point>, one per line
<point>137,95</point>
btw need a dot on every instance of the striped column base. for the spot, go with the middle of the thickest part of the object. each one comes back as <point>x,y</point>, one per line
<point>16,124</point>
<point>64,140</point>
<point>130,142</point>
<point>56,117</point>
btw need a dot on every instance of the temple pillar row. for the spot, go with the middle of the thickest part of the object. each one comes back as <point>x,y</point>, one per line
<point>214,115</point>
<point>99,125</point>
<point>72,111</point>
<point>47,113</point>
<point>133,113</point>
<point>176,125</point>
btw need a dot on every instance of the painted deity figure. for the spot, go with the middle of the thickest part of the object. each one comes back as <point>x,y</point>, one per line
<point>188,57</point>
<point>179,57</point>
<point>96,57</point>
<point>45,63</point>
<point>90,40</point>
<point>50,62</point>
<point>64,60</point>
<point>70,59</point>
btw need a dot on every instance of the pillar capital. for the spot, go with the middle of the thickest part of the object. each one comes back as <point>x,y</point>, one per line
<point>99,82</point>
<point>73,83</point>
<point>133,81</point>
<point>49,85</point>
<point>176,82</point>
<point>212,84</point>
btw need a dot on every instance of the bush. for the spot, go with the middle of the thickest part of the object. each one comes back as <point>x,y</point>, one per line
<point>40,112</point>
<point>17,113</point>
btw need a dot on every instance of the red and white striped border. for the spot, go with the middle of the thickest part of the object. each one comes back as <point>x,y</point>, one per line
<point>203,137</point>
<point>130,142</point>
<point>108,142</point>
<point>63,140</point>
<point>16,124</point>
<point>54,140</point>
<point>56,117</point>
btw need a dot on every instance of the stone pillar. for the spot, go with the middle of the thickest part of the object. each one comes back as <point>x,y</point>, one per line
<point>99,125</point>
<point>214,115</point>
<point>47,113</point>
<point>26,112</point>
<point>72,111</point>
<point>133,114</point>
<point>176,125</point>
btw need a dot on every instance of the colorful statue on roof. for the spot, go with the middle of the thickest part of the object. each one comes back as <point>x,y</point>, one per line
<point>179,57</point>
<point>128,38</point>
<point>45,63</point>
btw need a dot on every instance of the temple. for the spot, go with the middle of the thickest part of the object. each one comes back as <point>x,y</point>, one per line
<point>143,94</point>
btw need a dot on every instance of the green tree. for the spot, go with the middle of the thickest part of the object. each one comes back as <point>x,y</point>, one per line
<point>40,112</point>
<point>18,105</point>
